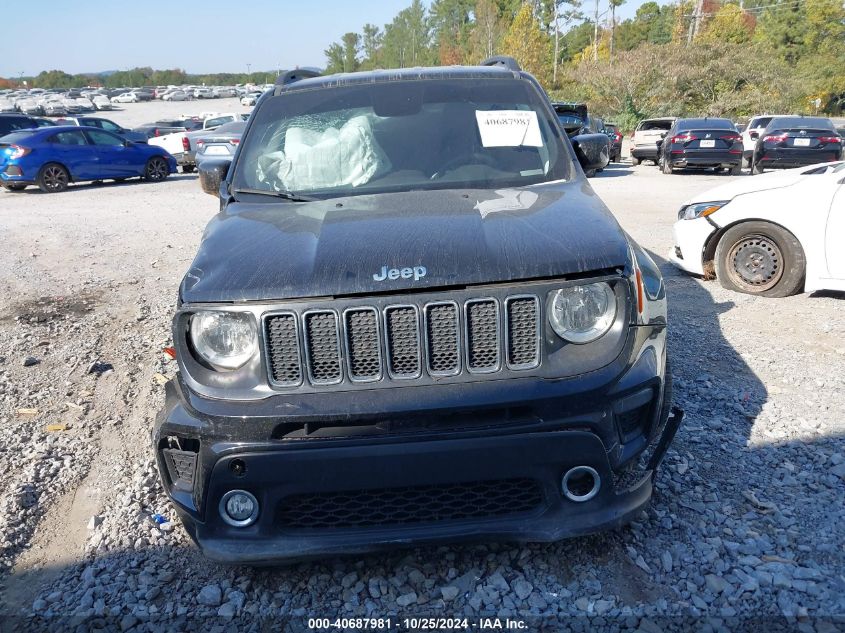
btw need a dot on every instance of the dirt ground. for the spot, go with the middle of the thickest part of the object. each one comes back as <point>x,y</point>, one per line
<point>89,284</point>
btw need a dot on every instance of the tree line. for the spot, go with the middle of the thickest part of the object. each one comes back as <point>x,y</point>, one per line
<point>692,57</point>
<point>136,77</point>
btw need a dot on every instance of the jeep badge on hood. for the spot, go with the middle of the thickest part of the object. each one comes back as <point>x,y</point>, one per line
<point>417,272</point>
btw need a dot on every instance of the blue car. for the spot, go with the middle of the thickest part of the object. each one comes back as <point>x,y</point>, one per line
<point>56,156</point>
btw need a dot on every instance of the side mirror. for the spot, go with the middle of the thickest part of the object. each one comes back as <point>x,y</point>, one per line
<point>754,135</point>
<point>212,173</point>
<point>591,150</point>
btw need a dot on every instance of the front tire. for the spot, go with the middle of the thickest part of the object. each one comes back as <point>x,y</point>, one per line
<point>53,178</point>
<point>156,169</point>
<point>760,258</point>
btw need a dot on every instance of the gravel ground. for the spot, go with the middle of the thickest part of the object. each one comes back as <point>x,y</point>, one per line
<point>745,529</point>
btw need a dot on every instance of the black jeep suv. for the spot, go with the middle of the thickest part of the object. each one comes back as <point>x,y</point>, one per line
<point>412,321</point>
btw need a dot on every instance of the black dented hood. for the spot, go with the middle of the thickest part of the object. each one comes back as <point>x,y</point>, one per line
<point>286,250</point>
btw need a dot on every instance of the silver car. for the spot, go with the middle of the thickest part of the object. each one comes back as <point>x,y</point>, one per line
<point>220,143</point>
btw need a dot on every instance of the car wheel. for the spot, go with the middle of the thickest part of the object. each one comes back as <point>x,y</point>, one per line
<point>188,169</point>
<point>760,258</point>
<point>156,169</point>
<point>665,166</point>
<point>736,170</point>
<point>14,186</point>
<point>53,178</point>
<point>756,168</point>
<point>635,161</point>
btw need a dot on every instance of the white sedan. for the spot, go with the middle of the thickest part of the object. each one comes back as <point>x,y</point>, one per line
<point>126,97</point>
<point>772,235</point>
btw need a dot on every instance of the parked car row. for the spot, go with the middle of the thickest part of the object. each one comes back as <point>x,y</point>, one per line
<point>768,141</point>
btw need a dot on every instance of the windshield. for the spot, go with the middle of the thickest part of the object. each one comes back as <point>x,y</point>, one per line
<point>800,123</point>
<point>398,136</point>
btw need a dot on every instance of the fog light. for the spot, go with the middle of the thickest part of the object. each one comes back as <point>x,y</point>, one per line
<point>239,508</point>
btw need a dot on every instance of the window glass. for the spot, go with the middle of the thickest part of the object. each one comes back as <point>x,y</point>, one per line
<point>108,125</point>
<point>104,139</point>
<point>68,138</point>
<point>434,134</point>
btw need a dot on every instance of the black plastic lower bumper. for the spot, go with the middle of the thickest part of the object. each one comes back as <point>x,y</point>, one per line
<point>542,458</point>
<point>360,488</point>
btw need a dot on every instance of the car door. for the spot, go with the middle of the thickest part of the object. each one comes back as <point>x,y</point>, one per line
<point>114,161</point>
<point>71,149</point>
<point>835,232</point>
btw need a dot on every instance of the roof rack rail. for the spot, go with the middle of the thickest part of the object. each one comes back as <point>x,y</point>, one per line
<point>295,75</point>
<point>502,60</point>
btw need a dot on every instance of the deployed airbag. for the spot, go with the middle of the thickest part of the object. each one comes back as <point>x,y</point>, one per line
<point>349,156</point>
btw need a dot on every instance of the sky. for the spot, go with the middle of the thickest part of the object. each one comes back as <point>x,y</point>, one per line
<point>199,37</point>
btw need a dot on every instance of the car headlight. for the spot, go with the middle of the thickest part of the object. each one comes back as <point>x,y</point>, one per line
<point>584,313</point>
<point>226,340</point>
<point>700,210</point>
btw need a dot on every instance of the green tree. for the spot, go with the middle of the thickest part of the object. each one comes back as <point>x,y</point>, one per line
<point>334,58</point>
<point>529,44</point>
<point>351,50</point>
<point>372,42</point>
<point>407,38</point>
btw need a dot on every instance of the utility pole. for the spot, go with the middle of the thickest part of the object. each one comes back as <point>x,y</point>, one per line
<point>596,33</point>
<point>557,45</point>
<point>695,23</point>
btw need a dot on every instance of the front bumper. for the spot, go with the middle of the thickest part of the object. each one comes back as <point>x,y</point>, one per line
<point>691,236</point>
<point>491,434</point>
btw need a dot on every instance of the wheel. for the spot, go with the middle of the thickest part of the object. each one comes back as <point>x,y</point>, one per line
<point>760,258</point>
<point>736,170</point>
<point>756,168</point>
<point>665,166</point>
<point>635,161</point>
<point>188,169</point>
<point>14,186</point>
<point>53,178</point>
<point>156,169</point>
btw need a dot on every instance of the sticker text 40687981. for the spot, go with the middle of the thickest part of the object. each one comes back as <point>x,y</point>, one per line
<point>508,128</point>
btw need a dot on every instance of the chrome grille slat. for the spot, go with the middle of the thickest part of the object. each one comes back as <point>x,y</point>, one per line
<point>377,342</point>
<point>402,333</point>
<point>363,350</point>
<point>482,335</point>
<point>283,337</point>
<point>522,327</point>
<point>322,347</point>
<point>442,345</point>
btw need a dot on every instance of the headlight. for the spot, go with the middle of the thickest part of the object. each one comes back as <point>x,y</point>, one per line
<point>226,340</point>
<point>700,210</point>
<point>581,314</point>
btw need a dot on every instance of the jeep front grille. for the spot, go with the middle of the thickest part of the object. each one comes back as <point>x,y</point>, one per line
<point>403,342</point>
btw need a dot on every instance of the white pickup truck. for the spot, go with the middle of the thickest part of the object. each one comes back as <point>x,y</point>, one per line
<point>182,145</point>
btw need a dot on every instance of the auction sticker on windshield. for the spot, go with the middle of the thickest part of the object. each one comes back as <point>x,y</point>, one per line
<point>508,128</point>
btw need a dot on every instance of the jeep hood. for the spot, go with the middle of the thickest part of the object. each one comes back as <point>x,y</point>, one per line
<point>286,250</point>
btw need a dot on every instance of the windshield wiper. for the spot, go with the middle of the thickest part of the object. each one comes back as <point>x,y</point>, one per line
<point>285,195</point>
